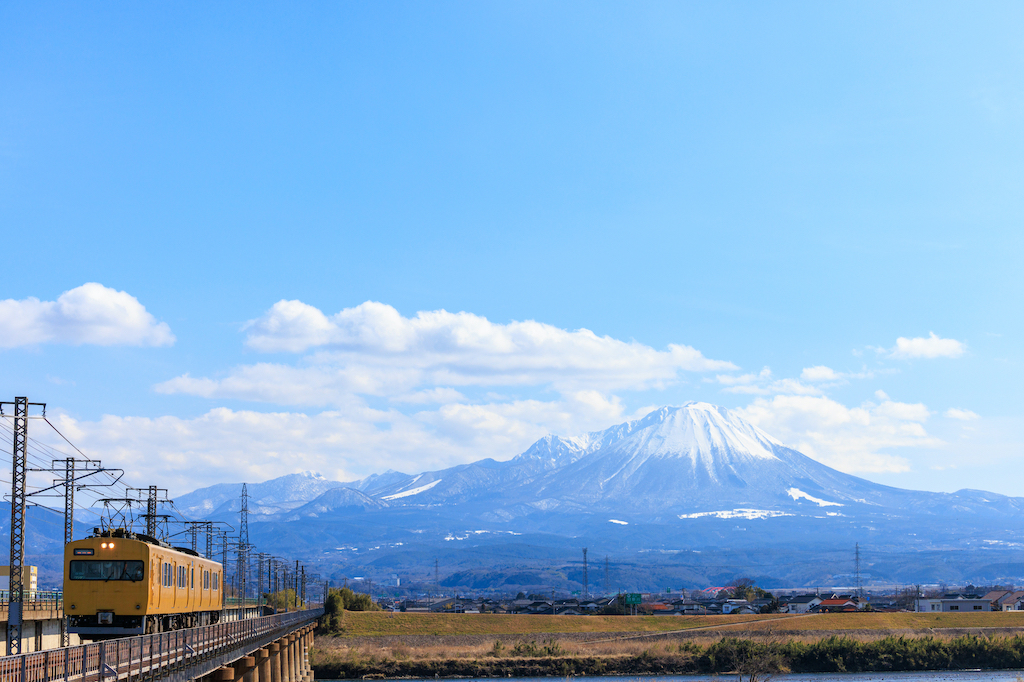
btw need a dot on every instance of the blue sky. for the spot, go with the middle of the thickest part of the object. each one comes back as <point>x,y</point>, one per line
<point>790,186</point>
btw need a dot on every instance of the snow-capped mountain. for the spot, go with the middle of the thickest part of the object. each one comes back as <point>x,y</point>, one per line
<point>687,459</point>
<point>690,461</point>
<point>335,500</point>
<point>270,497</point>
<point>693,478</point>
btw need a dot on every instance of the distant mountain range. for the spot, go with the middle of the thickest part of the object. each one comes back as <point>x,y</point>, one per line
<point>686,496</point>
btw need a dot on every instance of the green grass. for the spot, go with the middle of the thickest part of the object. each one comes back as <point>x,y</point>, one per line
<point>370,624</point>
<point>903,621</point>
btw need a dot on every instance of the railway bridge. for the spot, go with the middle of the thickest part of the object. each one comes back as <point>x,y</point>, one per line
<point>263,649</point>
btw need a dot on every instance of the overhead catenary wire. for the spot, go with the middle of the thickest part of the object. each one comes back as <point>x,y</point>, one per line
<point>44,457</point>
<point>55,453</point>
<point>37,453</point>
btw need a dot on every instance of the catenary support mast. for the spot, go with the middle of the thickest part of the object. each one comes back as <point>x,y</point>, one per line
<point>19,466</point>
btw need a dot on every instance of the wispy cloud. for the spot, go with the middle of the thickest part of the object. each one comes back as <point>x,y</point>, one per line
<point>90,314</point>
<point>820,373</point>
<point>855,440</point>
<point>762,383</point>
<point>927,348</point>
<point>962,415</point>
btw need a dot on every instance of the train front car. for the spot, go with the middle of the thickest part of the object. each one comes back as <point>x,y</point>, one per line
<point>120,584</point>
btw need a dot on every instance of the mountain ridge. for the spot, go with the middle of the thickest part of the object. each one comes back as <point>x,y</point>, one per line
<point>679,486</point>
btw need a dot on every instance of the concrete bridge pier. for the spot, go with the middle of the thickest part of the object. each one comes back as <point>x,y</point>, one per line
<point>308,646</point>
<point>245,669</point>
<point>301,650</point>
<point>288,649</point>
<point>275,662</point>
<point>284,660</point>
<point>224,674</point>
<point>262,665</point>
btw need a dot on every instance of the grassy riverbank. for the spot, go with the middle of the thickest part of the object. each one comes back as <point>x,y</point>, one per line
<point>457,645</point>
<point>383,624</point>
<point>759,657</point>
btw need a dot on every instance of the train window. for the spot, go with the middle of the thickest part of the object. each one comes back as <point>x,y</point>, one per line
<point>182,577</point>
<point>192,579</point>
<point>97,569</point>
<point>216,581</point>
<point>206,580</point>
<point>168,575</point>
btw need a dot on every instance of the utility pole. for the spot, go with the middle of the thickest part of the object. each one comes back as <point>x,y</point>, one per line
<point>296,584</point>
<point>607,585</point>
<point>153,519</point>
<point>860,591</point>
<point>303,584</point>
<point>272,579</point>
<point>151,512</point>
<point>437,579</point>
<point>19,457</point>
<point>243,546</point>
<point>208,527</point>
<point>586,582</point>
<point>259,579</point>
<point>283,582</point>
<point>69,500</point>
<point>69,532</point>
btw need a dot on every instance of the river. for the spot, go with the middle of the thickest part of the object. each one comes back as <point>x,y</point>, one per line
<point>931,676</point>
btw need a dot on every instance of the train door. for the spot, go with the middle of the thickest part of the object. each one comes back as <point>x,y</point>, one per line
<point>177,587</point>
<point>156,576</point>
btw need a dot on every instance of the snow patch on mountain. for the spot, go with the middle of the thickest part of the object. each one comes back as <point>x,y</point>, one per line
<point>621,523</point>
<point>798,494</point>
<point>749,514</point>
<point>414,491</point>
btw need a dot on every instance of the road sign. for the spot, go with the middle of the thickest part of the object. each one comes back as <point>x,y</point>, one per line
<point>633,599</point>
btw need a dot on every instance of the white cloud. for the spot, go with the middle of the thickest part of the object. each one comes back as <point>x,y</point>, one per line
<point>854,440</point>
<point>744,379</point>
<point>89,314</point>
<point>244,445</point>
<point>762,384</point>
<point>819,373</point>
<point>929,348</point>
<point>963,415</point>
<point>431,396</point>
<point>373,350</point>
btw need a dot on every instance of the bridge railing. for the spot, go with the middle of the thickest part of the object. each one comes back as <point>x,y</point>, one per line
<point>181,654</point>
<point>36,600</point>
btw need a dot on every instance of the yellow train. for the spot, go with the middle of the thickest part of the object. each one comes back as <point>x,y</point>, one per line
<point>118,584</point>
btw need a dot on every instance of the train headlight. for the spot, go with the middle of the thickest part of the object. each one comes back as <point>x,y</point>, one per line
<point>103,545</point>
<point>110,545</point>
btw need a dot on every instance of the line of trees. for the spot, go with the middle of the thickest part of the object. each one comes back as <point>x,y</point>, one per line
<point>339,601</point>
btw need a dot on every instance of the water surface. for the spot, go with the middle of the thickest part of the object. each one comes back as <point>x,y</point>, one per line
<point>929,676</point>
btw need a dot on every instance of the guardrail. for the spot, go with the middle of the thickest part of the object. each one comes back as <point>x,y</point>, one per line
<point>34,595</point>
<point>35,601</point>
<point>168,656</point>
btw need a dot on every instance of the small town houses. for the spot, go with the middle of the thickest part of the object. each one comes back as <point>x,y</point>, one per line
<point>663,605</point>
<point>998,600</point>
<point>652,605</point>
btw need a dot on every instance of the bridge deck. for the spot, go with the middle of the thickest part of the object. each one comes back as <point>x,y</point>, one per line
<point>169,656</point>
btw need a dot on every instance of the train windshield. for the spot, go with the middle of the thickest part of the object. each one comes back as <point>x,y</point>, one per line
<point>106,570</point>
